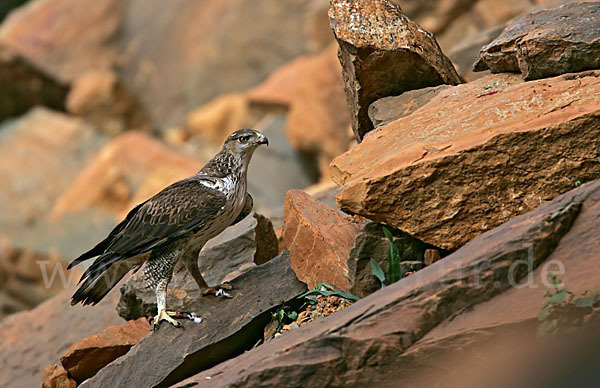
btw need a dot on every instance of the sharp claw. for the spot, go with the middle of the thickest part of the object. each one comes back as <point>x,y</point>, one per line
<point>221,292</point>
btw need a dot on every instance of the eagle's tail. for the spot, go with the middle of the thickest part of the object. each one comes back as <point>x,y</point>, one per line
<point>100,278</point>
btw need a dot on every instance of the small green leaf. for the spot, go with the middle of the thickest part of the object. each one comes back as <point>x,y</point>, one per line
<point>544,314</point>
<point>558,297</point>
<point>388,234</point>
<point>585,302</point>
<point>292,315</point>
<point>378,272</point>
<point>326,293</point>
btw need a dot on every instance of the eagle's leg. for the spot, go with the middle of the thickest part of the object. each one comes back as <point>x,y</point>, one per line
<point>190,260</point>
<point>161,305</point>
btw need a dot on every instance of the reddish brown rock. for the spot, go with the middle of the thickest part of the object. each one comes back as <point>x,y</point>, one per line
<point>61,146</point>
<point>86,357</point>
<point>56,376</point>
<point>311,88</point>
<point>475,156</point>
<point>33,339</point>
<point>382,54</point>
<point>64,38</point>
<point>100,98</point>
<point>319,240</point>
<point>130,163</point>
<point>546,43</point>
<point>327,246</point>
<point>448,309</point>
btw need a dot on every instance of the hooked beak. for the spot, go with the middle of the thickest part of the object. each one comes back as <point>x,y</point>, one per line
<point>262,140</point>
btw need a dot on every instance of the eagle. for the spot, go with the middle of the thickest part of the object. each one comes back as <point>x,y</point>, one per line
<point>173,225</point>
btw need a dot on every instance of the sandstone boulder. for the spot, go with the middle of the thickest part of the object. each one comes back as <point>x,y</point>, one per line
<point>64,38</point>
<point>326,245</point>
<point>475,156</point>
<point>230,327</point>
<point>311,89</point>
<point>129,164</point>
<point>86,357</point>
<point>383,53</point>
<point>33,339</point>
<point>546,43</point>
<point>41,152</point>
<point>100,98</point>
<point>422,323</point>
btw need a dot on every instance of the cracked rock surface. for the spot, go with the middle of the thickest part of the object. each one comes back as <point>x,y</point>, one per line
<point>475,156</point>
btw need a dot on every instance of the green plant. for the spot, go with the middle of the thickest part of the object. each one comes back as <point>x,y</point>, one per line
<point>563,312</point>
<point>326,289</point>
<point>394,266</point>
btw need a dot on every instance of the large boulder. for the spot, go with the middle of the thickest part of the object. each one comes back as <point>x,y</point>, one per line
<point>475,156</point>
<point>41,152</point>
<point>383,53</point>
<point>546,43</point>
<point>64,38</point>
<point>493,285</point>
<point>33,339</point>
<point>230,327</point>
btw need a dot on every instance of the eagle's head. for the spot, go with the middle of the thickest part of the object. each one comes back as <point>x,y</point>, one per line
<point>244,142</point>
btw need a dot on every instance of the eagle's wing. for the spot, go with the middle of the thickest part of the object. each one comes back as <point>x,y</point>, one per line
<point>178,210</point>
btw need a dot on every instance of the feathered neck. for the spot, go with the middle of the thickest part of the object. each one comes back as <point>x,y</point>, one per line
<point>225,163</point>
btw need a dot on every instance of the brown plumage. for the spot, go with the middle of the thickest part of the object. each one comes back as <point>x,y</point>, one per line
<point>174,224</point>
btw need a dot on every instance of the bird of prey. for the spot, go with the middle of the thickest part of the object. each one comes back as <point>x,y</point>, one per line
<point>174,225</point>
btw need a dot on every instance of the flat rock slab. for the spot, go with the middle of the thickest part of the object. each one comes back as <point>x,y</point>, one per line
<point>362,344</point>
<point>475,156</point>
<point>230,326</point>
<point>546,43</point>
<point>383,53</point>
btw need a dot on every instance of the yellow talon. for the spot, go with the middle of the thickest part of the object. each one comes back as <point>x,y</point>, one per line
<point>163,315</point>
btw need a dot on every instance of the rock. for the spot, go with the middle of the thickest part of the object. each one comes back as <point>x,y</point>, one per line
<point>327,246</point>
<point>388,109</point>
<point>362,345</point>
<point>312,90</point>
<point>130,163</point>
<point>319,240</point>
<point>382,54</point>
<point>55,376</point>
<point>33,339</point>
<point>546,43</point>
<point>259,37</point>
<point>24,87</point>
<point>462,157</point>
<point>230,327</point>
<point>100,98</point>
<point>86,357</point>
<point>431,256</point>
<point>64,38</point>
<point>61,145</point>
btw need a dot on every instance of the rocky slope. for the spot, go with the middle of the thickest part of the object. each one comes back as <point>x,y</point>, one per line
<point>410,214</point>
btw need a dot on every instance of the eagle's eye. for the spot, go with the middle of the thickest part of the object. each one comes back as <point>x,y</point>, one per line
<point>244,139</point>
